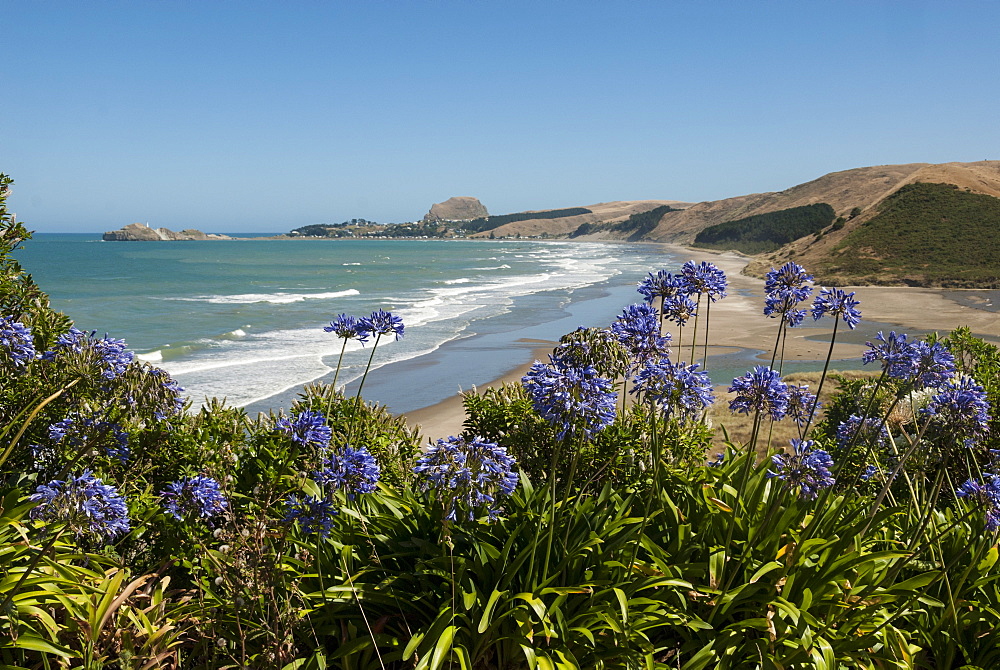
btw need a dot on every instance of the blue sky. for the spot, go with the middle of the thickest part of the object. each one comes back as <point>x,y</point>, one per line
<point>264,116</point>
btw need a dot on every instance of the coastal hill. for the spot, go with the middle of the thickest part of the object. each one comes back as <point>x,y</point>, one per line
<point>917,224</point>
<point>141,232</point>
<point>602,217</point>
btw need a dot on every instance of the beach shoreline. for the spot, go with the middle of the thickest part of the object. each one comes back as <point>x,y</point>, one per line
<point>737,324</point>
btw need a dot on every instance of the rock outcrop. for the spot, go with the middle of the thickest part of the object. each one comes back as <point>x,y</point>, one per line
<point>140,232</point>
<point>456,209</point>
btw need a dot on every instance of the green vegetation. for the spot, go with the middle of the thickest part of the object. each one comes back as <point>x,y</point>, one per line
<point>639,225</point>
<point>766,232</point>
<point>924,234</point>
<point>485,223</point>
<point>330,229</point>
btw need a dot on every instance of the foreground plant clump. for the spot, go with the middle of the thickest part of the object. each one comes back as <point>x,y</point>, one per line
<point>576,523</point>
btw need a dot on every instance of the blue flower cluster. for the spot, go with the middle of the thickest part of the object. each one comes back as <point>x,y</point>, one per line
<point>800,403</point>
<point>679,309</point>
<point>114,358</point>
<point>806,469</point>
<point>760,390</point>
<point>675,387</point>
<point>86,505</point>
<point>72,340</point>
<point>468,474</point>
<point>961,408</point>
<point>919,363</point>
<point>837,303</point>
<point>354,471</point>
<point>314,515</point>
<point>382,322</point>
<point>348,328</point>
<point>662,285</point>
<point>704,279</point>
<point>74,431</point>
<point>784,289</point>
<point>638,330</point>
<point>199,495</point>
<point>16,342</point>
<point>307,429</point>
<point>862,431</point>
<point>986,493</point>
<point>573,399</point>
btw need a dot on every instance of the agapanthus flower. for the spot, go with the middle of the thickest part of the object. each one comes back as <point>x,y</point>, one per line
<point>662,285</point>
<point>784,289</point>
<point>869,472</point>
<point>16,342</point>
<point>113,356</point>
<point>60,429</point>
<point>987,494</point>
<point>308,428</point>
<point>760,390</point>
<point>790,278</point>
<point>467,474</point>
<point>355,471</point>
<point>704,279</point>
<point>800,403</point>
<point>198,495</point>
<point>962,409</point>
<point>675,387</point>
<point>175,390</point>
<point>349,328</point>
<point>895,353</point>
<point>862,431</point>
<point>110,435</point>
<point>314,515</point>
<point>573,399</point>
<point>382,322</point>
<point>806,469</point>
<point>87,506</point>
<point>932,364</point>
<point>72,340</point>
<point>679,309</point>
<point>718,461</point>
<point>837,303</point>
<point>638,329</point>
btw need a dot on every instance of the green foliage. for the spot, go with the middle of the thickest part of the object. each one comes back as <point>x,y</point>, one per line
<point>361,424</point>
<point>641,224</point>
<point>924,234</point>
<point>766,232</point>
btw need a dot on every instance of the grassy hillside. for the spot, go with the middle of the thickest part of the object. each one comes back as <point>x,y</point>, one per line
<point>925,234</point>
<point>766,232</point>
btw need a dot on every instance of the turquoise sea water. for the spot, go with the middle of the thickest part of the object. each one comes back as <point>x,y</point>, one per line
<point>243,319</point>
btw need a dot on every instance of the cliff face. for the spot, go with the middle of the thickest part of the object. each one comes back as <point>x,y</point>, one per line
<point>138,232</point>
<point>456,209</point>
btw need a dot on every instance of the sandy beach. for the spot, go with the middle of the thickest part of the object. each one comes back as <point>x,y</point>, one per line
<point>736,322</point>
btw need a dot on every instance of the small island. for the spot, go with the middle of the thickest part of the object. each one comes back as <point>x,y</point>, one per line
<point>141,232</point>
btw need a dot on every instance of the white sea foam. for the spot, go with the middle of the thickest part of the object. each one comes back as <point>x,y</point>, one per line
<point>273,298</point>
<point>249,367</point>
<point>151,357</point>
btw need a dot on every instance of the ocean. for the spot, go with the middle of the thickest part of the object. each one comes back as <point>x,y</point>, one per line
<point>243,319</point>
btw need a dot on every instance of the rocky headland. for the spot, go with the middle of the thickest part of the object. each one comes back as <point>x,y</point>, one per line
<point>140,232</point>
<point>459,208</point>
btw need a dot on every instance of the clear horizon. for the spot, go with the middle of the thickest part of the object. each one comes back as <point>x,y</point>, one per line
<point>263,117</point>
